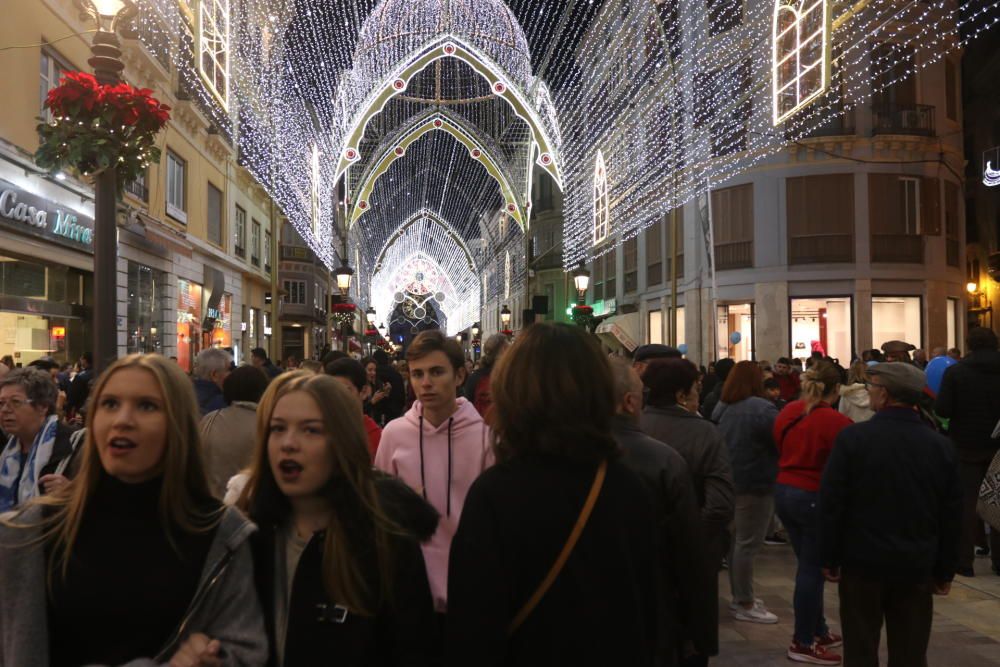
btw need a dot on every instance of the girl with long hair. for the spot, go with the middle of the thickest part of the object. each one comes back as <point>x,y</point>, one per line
<point>804,433</point>
<point>133,560</point>
<point>338,565</point>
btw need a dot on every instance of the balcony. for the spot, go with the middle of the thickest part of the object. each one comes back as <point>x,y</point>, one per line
<point>821,249</point>
<point>838,126</point>
<point>898,248</point>
<point>138,189</point>
<point>916,119</point>
<point>738,255</point>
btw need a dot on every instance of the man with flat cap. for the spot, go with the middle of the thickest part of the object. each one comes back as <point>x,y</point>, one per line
<point>890,507</point>
<point>898,350</point>
<point>646,353</point>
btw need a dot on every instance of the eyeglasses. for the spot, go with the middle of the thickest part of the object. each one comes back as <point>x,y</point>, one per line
<point>14,403</point>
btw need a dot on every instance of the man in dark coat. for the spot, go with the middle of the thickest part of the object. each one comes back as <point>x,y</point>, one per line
<point>722,368</point>
<point>393,405</point>
<point>970,398</point>
<point>258,357</point>
<point>889,504</point>
<point>666,475</point>
<point>79,388</point>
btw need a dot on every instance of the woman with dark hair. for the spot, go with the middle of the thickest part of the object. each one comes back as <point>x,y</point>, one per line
<point>746,417</point>
<point>555,542</point>
<point>133,561</point>
<point>337,560</point>
<point>671,416</point>
<point>804,433</point>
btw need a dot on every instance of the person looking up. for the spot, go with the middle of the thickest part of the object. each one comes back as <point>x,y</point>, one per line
<point>211,367</point>
<point>666,474</point>
<point>337,563</point>
<point>228,434</point>
<point>671,416</point>
<point>258,357</point>
<point>439,447</point>
<point>37,441</point>
<point>970,398</point>
<point>134,562</point>
<point>890,506</point>
<point>477,387</point>
<point>553,404</point>
<point>352,375</point>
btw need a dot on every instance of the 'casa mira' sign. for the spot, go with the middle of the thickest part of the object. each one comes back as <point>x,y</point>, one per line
<point>28,213</point>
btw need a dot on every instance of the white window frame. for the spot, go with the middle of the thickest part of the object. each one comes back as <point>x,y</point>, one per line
<point>907,185</point>
<point>240,229</point>
<point>802,12</point>
<point>54,66</point>
<point>255,242</point>
<point>296,292</point>
<point>176,187</point>
<point>267,251</point>
<point>602,203</point>
<point>213,44</point>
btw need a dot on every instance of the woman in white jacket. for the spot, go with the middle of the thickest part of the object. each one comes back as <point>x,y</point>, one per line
<point>854,401</point>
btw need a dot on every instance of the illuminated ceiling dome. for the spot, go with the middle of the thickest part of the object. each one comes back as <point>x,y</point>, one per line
<point>398,28</point>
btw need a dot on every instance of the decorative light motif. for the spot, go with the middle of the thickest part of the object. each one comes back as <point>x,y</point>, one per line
<point>506,275</point>
<point>602,204</point>
<point>213,47</point>
<point>801,63</point>
<point>991,176</point>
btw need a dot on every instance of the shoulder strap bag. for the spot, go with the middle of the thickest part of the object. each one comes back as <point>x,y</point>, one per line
<point>988,503</point>
<point>581,522</point>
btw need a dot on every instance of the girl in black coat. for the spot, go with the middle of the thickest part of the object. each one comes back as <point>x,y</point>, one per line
<point>337,561</point>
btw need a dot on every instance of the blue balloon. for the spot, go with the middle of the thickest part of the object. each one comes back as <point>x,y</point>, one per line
<point>735,337</point>
<point>935,371</point>
<point>683,348</point>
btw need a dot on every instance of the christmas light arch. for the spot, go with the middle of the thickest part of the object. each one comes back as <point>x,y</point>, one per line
<point>426,215</point>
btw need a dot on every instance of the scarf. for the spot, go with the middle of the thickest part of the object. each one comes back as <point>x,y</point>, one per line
<point>19,476</point>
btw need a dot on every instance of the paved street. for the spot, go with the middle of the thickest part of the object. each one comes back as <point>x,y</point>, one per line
<point>966,623</point>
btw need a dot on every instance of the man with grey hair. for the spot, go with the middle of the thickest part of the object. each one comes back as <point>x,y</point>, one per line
<point>211,367</point>
<point>666,476</point>
<point>890,508</point>
<point>37,442</point>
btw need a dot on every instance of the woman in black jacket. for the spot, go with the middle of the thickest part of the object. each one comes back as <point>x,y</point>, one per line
<point>337,561</point>
<point>553,405</point>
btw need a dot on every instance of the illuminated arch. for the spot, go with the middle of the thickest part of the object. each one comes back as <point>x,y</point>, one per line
<point>420,216</point>
<point>800,55</point>
<point>397,284</point>
<point>438,121</point>
<point>449,46</point>
<point>602,202</point>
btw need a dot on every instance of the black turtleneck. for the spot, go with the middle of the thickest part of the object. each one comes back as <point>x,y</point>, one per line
<point>127,588</point>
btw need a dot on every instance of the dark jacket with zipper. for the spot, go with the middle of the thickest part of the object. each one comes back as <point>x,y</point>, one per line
<point>970,397</point>
<point>890,500</point>
<point>402,632</point>
<point>747,426</point>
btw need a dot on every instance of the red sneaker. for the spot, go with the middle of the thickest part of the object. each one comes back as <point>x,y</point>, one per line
<point>814,655</point>
<point>830,640</point>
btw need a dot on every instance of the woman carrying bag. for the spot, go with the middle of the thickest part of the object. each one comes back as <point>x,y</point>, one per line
<point>553,562</point>
<point>133,562</point>
<point>337,561</point>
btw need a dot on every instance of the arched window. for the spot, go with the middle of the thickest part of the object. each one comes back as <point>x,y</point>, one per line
<point>800,67</point>
<point>506,275</point>
<point>213,48</point>
<point>602,205</point>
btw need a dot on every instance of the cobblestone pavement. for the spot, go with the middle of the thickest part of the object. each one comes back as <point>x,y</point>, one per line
<point>966,629</point>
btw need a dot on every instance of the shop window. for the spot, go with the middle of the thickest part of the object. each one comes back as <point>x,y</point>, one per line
<point>679,323</point>
<point>732,227</point>
<point>213,47</point>
<point>188,323</point>
<point>896,318</point>
<point>222,331</point>
<point>214,215</point>
<point>655,326</point>
<point>654,254</point>
<point>735,331</point>
<point>820,212</point>
<point>951,321</point>
<point>24,279</point>
<point>146,304</point>
<point>255,243</point>
<point>822,324</point>
<point>240,232</point>
<point>176,185</point>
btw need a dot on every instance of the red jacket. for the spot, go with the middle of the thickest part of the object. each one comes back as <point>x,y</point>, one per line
<point>374,435</point>
<point>790,386</point>
<point>805,445</point>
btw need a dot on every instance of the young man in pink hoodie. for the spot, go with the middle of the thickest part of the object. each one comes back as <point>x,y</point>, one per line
<point>439,447</point>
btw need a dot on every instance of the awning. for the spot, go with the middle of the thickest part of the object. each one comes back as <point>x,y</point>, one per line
<point>620,331</point>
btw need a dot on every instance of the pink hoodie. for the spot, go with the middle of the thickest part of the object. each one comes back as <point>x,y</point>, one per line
<point>399,453</point>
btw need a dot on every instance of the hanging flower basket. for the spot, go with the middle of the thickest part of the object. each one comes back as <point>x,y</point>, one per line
<point>96,127</point>
<point>583,315</point>
<point>508,333</point>
<point>343,315</point>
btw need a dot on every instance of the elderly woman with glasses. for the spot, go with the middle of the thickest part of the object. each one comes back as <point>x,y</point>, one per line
<point>38,446</point>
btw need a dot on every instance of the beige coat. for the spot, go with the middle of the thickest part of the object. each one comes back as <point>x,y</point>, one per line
<point>855,403</point>
<point>228,437</point>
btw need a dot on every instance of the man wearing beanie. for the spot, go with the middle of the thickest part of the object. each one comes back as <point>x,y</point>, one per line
<point>890,504</point>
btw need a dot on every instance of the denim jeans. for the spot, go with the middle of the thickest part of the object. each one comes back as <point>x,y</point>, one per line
<point>753,515</point>
<point>799,511</point>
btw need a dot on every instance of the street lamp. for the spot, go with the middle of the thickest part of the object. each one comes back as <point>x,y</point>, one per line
<point>111,17</point>
<point>475,330</point>
<point>343,276</point>
<point>370,315</point>
<point>971,287</point>
<point>505,317</point>
<point>581,278</point>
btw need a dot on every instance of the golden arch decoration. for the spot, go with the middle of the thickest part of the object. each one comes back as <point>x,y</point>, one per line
<point>452,47</point>
<point>436,122</point>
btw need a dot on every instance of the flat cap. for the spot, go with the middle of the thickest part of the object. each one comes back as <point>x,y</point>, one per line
<point>656,351</point>
<point>904,381</point>
<point>898,346</point>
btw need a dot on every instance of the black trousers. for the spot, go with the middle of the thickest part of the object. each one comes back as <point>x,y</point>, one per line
<point>972,467</point>
<point>907,608</point>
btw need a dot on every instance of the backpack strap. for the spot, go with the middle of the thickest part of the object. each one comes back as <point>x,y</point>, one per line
<point>581,522</point>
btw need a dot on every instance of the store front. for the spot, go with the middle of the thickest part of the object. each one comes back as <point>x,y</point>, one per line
<point>189,322</point>
<point>735,332</point>
<point>824,325</point>
<point>147,292</point>
<point>896,318</point>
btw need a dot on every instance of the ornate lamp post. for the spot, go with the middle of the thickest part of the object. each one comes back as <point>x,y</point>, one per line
<point>581,279</point>
<point>505,318</point>
<point>343,275</point>
<point>111,17</point>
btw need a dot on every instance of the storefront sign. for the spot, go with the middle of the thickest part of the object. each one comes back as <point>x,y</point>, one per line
<point>28,213</point>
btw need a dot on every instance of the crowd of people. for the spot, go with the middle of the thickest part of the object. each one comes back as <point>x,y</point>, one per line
<point>550,505</point>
